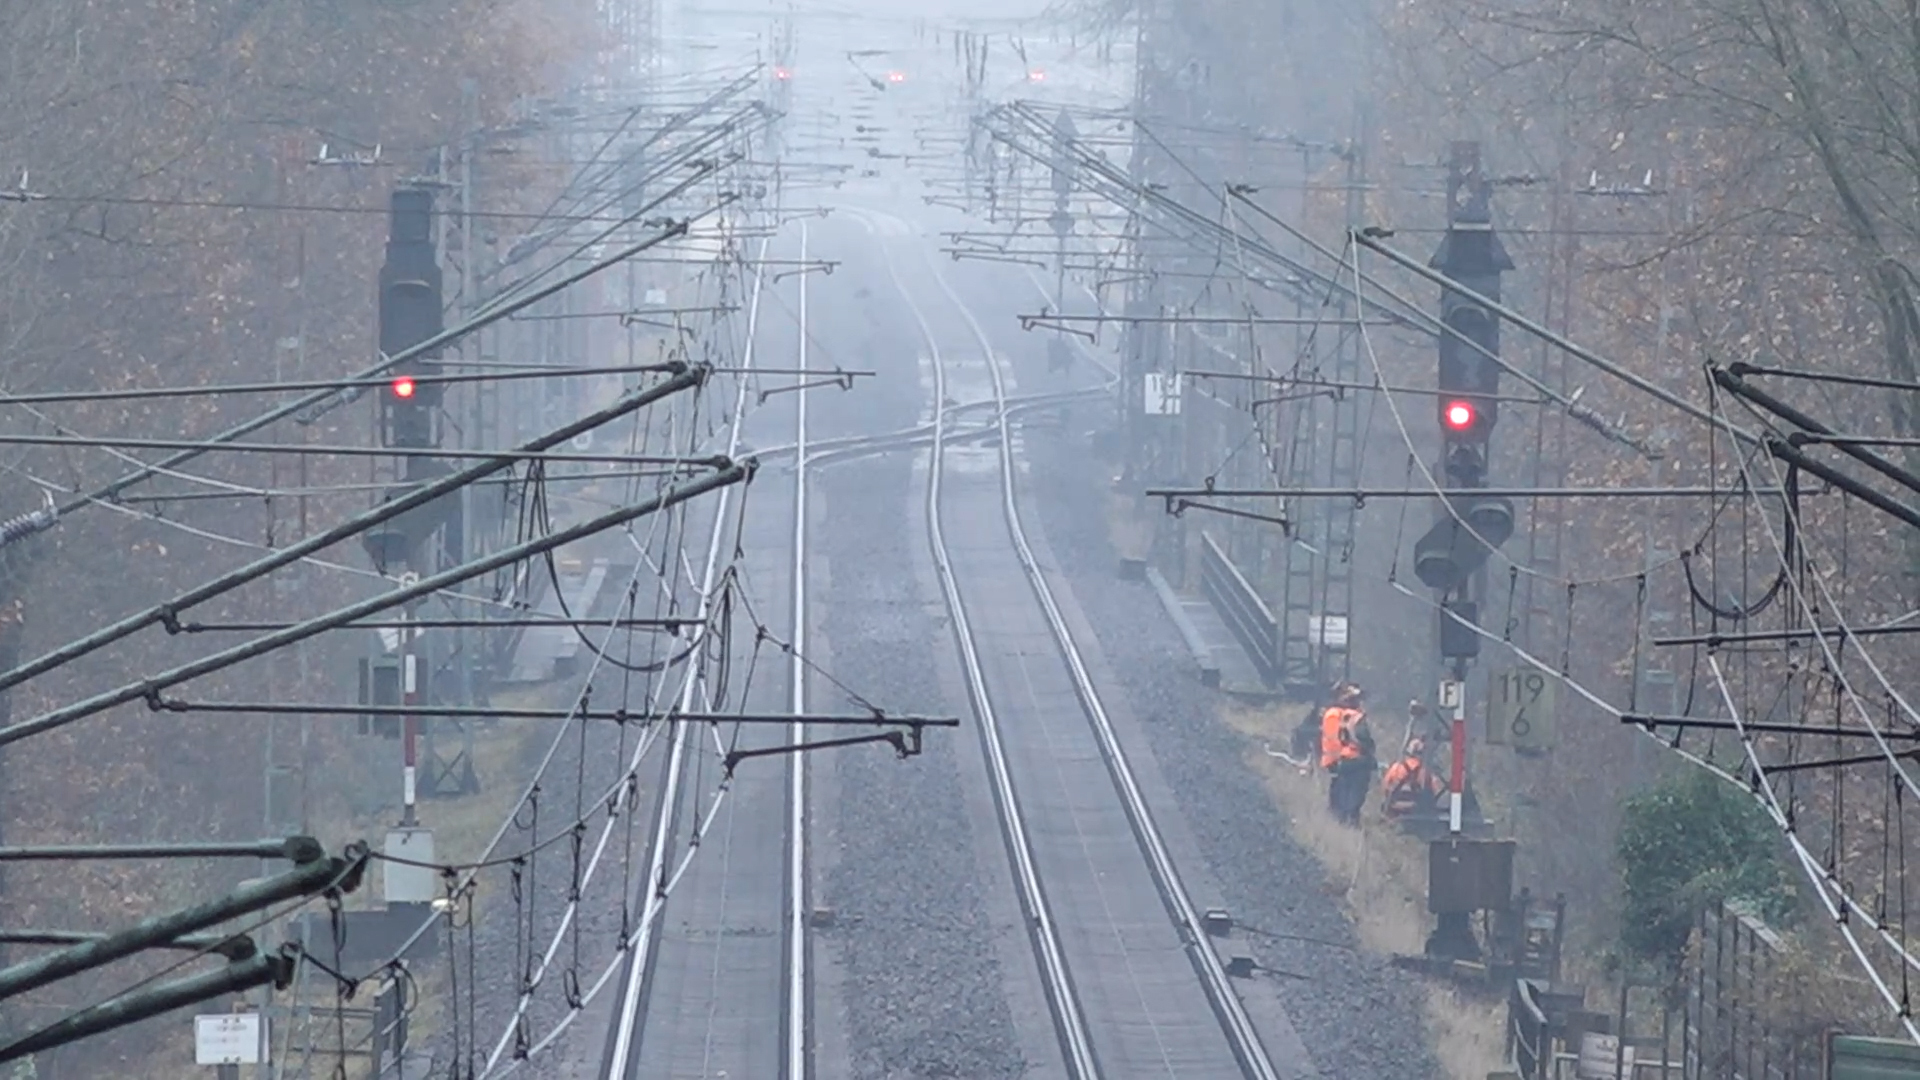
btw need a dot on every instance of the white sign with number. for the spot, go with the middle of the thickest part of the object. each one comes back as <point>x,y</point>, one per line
<point>229,1039</point>
<point>1520,709</point>
<point>1162,394</point>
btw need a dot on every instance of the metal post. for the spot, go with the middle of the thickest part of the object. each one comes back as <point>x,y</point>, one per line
<point>283,784</point>
<point>410,730</point>
<point>797,1019</point>
<point>1453,701</point>
<point>466,645</point>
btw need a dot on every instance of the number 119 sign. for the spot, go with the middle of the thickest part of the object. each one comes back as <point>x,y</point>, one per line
<point>1520,713</point>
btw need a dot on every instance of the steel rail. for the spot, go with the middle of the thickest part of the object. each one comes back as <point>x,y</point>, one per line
<point>630,1006</point>
<point>1068,1018</point>
<point>1227,1006</point>
<point>846,447</point>
<point>795,1066</point>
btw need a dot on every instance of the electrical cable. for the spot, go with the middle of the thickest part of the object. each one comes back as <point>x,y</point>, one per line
<point>247,929</point>
<point>1846,634</point>
<point>1426,473</point>
<point>634,937</point>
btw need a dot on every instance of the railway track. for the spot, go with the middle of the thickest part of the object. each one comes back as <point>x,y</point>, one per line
<point>622,1057</point>
<point>1079,1036</point>
<point>708,1034</point>
<point>1080,1043</point>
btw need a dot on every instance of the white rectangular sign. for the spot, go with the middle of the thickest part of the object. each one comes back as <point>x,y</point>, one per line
<point>1162,394</point>
<point>1521,712</point>
<point>1603,1058</point>
<point>408,876</point>
<point>1329,630</point>
<point>229,1039</point>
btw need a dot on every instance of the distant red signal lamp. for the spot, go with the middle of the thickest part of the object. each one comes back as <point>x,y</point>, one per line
<point>1036,75</point>
<point>1459,415</point>
<point>896,76</point>
<point>403,387</point>
<point>782,74</point>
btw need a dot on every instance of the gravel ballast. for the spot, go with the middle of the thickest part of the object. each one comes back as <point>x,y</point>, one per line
<point>922,994</point>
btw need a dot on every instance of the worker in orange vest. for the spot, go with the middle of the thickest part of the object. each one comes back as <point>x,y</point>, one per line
<point>1346,752</point>
<point>1410,786</point>
<point>1334,721</point>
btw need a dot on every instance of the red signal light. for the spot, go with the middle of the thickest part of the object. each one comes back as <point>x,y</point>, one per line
<point>403,387</point>
<point>1036,75</point>
<point>896,76</point>
<point>1458,415</point>
<point>782,74</point>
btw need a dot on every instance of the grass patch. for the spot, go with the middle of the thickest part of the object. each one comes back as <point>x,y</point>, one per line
<point>1378,874</point>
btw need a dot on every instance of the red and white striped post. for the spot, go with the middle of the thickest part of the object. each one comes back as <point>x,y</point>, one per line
<point>1453,699</point>
<point>409,730</point>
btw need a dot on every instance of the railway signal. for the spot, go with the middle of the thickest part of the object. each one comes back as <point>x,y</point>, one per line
<point>1460,542</point>
<point>1470,525</point>
<point>410,312</point>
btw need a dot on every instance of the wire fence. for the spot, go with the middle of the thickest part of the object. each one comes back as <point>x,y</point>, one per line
<point>1744,1006</point>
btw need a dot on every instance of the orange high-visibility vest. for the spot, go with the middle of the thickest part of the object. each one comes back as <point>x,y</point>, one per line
<point>1336,738</point>
<point>1406,782</point>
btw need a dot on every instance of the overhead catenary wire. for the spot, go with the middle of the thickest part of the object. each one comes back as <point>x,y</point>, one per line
<point>682,158</point>
<point>1404,312</point>
<point>151,470</point>
<point>1774,809</point>
<point>223,490</point>
<point>1846,908</point>
<point>157,393</point>
<point>1845,912</point>
<point>1785,550</point>
<point>488,316</point>
<point>1839,902</point>
<point>1426,472</point>
<point>660,868</point>
<point>255,545</point>
<point>169,611</point>
<point>145,688</point>
<point>1578,352</point>
<point>326,450</point>
<point>533,978</point>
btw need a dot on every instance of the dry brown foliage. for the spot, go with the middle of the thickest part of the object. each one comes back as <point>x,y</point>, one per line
<point>1780,145</point>
<point>127,115</point>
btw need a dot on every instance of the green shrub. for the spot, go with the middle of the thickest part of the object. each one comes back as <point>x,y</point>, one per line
<point>1692,841</point>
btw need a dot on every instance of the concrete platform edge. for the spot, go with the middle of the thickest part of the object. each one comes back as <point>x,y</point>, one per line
<point>1202,656</point>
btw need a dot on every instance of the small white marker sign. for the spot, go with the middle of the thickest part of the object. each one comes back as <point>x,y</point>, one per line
<point>229,1039</point>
